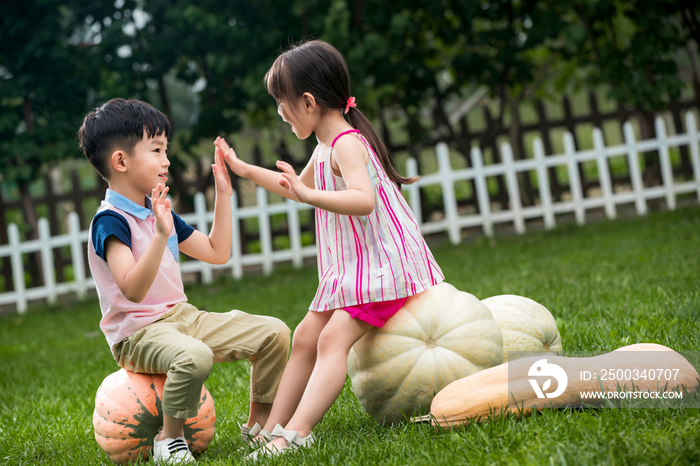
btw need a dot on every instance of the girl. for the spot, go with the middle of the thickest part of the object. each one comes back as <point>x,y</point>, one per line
<point>371,255</point>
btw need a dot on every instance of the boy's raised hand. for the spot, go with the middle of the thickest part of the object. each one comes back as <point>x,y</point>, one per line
<point>162,210</point>
<point>221,179</point>
<point>236,164</point>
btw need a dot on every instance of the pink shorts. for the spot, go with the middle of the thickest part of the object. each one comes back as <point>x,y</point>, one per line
<point>375,313</point>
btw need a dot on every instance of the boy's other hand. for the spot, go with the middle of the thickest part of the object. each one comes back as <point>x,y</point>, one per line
<point>162,210</point>
<point>221,179</point>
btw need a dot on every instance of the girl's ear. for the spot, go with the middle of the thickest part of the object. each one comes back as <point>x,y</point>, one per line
<point>118,161</point>
<point>309,102</point>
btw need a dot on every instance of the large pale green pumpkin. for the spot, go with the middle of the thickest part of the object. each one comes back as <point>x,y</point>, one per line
<point>438,336</point>
<point>526,324</point>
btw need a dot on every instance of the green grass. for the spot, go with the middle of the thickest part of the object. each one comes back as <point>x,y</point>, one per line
<point>609,284</point>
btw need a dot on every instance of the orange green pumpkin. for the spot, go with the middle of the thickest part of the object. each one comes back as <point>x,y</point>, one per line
<point>129,412</point>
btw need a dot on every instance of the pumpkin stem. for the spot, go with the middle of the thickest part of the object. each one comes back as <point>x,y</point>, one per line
<point>419,419</point>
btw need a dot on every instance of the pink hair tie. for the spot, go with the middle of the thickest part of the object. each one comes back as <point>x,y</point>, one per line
<point>351,103</point>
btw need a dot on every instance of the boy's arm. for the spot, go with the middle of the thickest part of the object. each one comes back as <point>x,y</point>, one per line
<point>134,278</point>
<point>215,248</point>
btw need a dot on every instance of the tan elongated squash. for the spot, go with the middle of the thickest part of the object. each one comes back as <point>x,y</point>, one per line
<point>438,336</point>
<point>489,391</point>
<point>527,325</point>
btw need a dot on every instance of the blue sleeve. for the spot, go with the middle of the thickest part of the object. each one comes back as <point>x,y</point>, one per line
<point>182,229</point>
<point>109,223</point>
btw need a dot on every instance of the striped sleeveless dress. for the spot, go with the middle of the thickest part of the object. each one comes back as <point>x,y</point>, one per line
<point>374,258</point>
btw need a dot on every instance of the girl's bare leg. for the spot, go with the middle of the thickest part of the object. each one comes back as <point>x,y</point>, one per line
<point>328,376</point>
<point>299,368</point>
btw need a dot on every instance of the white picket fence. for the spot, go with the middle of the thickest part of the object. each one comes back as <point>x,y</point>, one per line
<point>452,222</point>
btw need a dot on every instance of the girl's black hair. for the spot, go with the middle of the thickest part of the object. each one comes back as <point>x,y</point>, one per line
<point>118,124</point>
<point>318,68</point>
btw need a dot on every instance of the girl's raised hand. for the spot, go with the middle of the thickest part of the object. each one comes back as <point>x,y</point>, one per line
<point>221,179</point>
<point>162,211</point>
<point>290,181</point>
<point>229,155</point>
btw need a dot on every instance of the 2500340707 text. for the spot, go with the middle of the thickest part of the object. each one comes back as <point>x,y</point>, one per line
<point>632,374</point>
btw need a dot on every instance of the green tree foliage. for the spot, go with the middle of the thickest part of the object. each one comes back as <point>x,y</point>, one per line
<point>628,46</point>
<point>46,73</point>
<point>43,73</point>
<point>430,54</point>
<point>415,59</point>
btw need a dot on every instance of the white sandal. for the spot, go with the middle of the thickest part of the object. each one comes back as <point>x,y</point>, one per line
<point>292,437</point>
<point>293,440</point>
<point>249,434</point>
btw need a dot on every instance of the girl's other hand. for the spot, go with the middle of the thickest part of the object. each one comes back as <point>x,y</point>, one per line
<point>221,179</point>
<point>237,165</point>
<point>291,182</point>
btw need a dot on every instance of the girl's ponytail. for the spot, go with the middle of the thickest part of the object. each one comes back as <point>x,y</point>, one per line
<point>359,121</point>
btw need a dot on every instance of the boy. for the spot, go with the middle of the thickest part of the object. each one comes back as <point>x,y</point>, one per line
<point>133,251</point>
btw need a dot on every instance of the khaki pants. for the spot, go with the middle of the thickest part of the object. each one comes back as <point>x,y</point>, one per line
<point>185,342</point>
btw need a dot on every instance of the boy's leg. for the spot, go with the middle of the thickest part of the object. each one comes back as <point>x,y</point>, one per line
<point>263,340</point>
<point>163,348</point>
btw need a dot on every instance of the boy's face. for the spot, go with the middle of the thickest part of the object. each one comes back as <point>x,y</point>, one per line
<point>148,163</point>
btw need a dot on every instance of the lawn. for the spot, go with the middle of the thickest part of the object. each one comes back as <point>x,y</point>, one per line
<point>609,284</point>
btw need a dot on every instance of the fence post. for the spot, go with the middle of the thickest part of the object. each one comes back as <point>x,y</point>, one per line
<point>543,182</point>
<point>294,232</point>
<point>237,268</point>
<point>200,208</point>
<point>635,172</point>
<point>482,191</point>
<point>17,268</point>
<point>516,206</point>
<point>693,142</point>
<point>666,170</point>
<point>574,178</point>
<point>448,193</point>
<point>414,190</point>
<point>604,173</point>
<point>76,252</point>
<point>264,229</point>
<point>47,259</point>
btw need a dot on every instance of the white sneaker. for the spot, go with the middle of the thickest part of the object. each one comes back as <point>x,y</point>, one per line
<point>172,451</point>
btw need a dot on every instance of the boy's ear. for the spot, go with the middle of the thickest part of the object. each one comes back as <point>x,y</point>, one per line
<point>309,101</point>
<point>117,161</point>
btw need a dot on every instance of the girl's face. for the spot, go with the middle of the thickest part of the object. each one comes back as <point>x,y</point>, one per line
<point>299,113</point>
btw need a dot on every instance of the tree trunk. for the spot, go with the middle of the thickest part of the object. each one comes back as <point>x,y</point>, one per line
<point>35,267</point>
<point>652,167</point>
<point>30,217</point>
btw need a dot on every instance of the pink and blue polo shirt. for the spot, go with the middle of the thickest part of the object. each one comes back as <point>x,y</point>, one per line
<point>134,225</point>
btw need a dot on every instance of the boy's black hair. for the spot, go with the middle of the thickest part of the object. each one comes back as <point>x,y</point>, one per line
<point>118,124</point>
